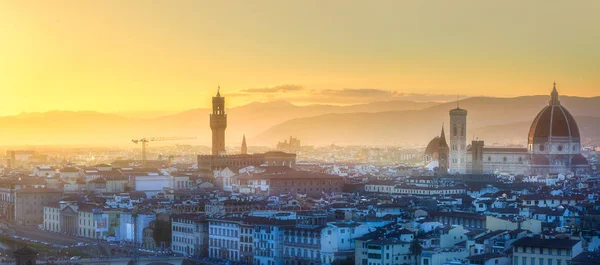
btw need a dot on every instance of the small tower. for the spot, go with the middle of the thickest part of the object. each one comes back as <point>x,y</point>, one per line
<point>443,154</point>
<point>244,146</point>
<point>25,256</point>
<point>218,124</point>
<point>477,157</point>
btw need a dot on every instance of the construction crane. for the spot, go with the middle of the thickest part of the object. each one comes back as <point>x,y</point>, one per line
<point>145,141</point>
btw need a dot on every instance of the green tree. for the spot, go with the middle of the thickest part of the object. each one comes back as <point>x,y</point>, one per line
<point>415,250</point>
<point>162,233</point>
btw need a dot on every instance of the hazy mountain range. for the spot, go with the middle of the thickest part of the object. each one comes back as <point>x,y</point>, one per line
<point>495,120</point>
<point>94,128</point>
<point>500,120</point>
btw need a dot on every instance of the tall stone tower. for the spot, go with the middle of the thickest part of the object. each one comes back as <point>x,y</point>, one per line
<point>458,141</point>
<point>244,146</point>
<point>218,124</point>
<point>443,153</point>
<point>477,157</point>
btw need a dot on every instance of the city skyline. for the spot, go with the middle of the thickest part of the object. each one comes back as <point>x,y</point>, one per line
<point>300,132</point>
<point>120,57</point>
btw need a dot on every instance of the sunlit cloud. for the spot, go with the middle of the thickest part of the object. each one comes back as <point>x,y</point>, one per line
<point>300,95</point>
<point>275,89</point>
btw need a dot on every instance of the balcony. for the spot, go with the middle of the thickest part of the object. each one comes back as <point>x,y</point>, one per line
<point>299,244</point>
<point>289,257</point>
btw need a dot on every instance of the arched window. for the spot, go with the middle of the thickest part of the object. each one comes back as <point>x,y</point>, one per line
<point>462,131</point>
<point>455,131</point>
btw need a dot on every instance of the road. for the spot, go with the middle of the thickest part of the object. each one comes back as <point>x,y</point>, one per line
<point>50,237</point>
<point>92,247</point>
<point>118,261</point>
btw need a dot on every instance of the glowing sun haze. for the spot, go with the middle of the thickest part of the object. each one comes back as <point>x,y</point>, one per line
<point>124,56</point>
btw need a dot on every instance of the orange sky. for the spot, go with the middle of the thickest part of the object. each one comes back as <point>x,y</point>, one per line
<point>128,56</point>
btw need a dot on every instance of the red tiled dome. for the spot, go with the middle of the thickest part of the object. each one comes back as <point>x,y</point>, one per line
<point>553,121</point>
<point>432,147</point>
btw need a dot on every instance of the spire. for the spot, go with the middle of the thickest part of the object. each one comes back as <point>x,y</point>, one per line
<point>219,91</point>
<point>442,138</point>
<point>244,146</point>
<point>554,96</point>
<point>457,104</point>
<point>442,135</point>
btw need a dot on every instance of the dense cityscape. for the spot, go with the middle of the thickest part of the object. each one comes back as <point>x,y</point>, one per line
<point>299,132</point>
<point>449,202</point>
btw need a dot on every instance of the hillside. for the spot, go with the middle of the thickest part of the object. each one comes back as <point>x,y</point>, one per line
<point>93,128</point>
<point>500,120</point>
<point>419,126</point>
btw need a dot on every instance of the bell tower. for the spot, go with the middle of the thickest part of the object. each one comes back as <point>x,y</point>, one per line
<point>218,124</point>
<point>458,141</point>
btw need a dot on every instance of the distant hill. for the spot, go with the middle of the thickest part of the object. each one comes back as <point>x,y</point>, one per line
<point>509,115</point>
<point>496,120</point>
<point>516,133</point>
<point>94,128</point>
<point>254,118</point>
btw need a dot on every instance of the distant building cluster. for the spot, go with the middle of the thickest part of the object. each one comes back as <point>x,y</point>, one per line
<point>292,145</point>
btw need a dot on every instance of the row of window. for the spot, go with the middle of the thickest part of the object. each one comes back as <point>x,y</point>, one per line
<point>183,229</point>
<point>302,253</point>
<point>316,189</point>
<point>556,202</point>
<point>455,160</point>
<point>412,191</point>
<point>55,217</point>
<point>183,249</point>
<point>185,240</point>
<point>537,261</point>
<point>223,243</point>
<point>545,251</point>
<point>302,240</point>
<point>223,232</point>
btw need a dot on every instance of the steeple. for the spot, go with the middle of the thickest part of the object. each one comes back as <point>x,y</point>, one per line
<point>219,91</point>
<point>443,138</point>
<point>457,104</point>
<point>244,146</point>
<point>443,155</point>
<point>554,96</point>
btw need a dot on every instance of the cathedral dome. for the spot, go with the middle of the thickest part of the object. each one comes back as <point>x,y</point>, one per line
<point>554,129</point>
<point>432,147</point>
